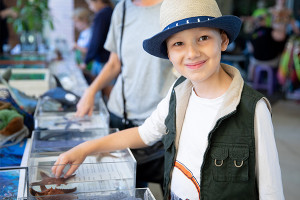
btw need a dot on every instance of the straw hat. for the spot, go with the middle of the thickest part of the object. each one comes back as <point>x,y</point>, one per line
<point>179,15</point>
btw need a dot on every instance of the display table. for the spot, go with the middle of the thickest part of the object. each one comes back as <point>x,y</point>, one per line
<point>69,75</point>
<point>31,81</point>
<point>101,176</point>
<point>23,61</point>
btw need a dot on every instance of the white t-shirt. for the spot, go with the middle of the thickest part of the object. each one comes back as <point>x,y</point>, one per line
<point>202,111</point>
<point>194,144</point>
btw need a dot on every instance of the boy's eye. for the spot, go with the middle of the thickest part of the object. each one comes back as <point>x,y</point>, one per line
<point>203,38</point>
<point>178,43</point>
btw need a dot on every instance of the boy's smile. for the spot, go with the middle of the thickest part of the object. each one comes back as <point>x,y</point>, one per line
<point>196,54</point>
<point>195,65</point>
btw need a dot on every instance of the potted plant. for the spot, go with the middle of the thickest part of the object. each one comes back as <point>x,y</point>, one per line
<point>33,15</point>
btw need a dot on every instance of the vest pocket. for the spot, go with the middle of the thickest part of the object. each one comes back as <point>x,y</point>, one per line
<point>230,163</point>
<point>239,163</point>
<point>219,161</point>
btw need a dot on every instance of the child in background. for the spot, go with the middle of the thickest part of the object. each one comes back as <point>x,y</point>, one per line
<point>81,18</point>
<point>282,17</point>
<point>103,10</point>
<point>217,131</point>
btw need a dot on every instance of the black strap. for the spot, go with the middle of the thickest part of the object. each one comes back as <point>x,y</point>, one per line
<point>125,120</point>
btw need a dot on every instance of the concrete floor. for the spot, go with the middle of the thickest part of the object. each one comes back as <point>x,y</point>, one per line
<point>286,121</point>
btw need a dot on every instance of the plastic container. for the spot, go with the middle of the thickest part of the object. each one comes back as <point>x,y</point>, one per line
<point>51,115</point>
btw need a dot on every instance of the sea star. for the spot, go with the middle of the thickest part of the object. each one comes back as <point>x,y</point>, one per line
<point>46,180</point>
<point>62,193</point>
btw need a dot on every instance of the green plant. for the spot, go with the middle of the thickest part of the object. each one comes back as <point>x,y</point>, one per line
<point>32,16</point>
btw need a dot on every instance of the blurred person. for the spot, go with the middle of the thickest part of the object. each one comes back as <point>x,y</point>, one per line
<point>259,15</point>
<point>81,18</point>
<point>4,13</point>
<point>264,49</point>
<point>103,11</point>
<point>282,17</point>
<point>267,43</point>
<point>142,78</point>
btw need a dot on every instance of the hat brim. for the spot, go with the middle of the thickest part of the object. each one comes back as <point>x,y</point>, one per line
<point>156,45</point>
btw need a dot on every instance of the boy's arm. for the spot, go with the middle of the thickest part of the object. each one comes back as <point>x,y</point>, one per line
<point>128,138</point>
<point>110,71</point>
<point>268,171</point>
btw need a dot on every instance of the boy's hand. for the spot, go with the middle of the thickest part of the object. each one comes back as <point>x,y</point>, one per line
<point>75,46</point>
<point>74,157</point>
<point>85,104</point>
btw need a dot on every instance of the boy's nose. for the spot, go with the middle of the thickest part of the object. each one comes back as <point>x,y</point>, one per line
<point>193,51</point>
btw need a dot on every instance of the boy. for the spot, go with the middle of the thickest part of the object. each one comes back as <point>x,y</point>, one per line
<point>216,145</point>
<point>103,11</point>
<point>81,18</point>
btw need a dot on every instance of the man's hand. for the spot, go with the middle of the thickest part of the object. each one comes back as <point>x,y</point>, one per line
<point>85,105</point>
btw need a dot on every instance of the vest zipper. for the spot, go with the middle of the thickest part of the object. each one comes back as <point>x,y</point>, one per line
<point>171,172</point>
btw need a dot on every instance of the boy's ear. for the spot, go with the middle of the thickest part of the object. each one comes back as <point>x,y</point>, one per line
<point>225,41</point>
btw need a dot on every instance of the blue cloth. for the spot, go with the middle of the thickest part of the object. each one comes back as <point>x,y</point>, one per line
<point>96,68</point>
<point>12,155</point>
<point>100,29</point>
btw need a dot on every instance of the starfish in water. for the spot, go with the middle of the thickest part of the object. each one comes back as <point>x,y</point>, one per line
<point>55,193</point>
<point>47,180</point>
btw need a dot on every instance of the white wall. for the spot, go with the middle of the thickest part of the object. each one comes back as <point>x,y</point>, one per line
<point>61,11</point>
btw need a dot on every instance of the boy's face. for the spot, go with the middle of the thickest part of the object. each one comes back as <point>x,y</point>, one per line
<point>196,53</point>
<point>94,5</point>
<point>80,25</point>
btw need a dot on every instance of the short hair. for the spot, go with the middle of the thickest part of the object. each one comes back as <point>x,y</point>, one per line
<point>82,14</point>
